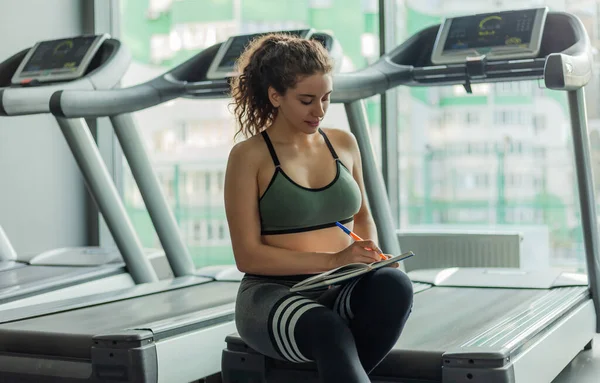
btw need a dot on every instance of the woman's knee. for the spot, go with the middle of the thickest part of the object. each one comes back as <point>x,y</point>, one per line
<point>396,285</point>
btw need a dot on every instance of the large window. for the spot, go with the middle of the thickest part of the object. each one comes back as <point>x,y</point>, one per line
<point>189,141</point>
<point>498,158</point>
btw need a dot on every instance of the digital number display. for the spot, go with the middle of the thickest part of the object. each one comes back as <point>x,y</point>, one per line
<point>504,29</point>
<point>59,54</point>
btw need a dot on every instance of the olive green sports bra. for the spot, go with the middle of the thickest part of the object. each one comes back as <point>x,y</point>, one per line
<point>286,207</point>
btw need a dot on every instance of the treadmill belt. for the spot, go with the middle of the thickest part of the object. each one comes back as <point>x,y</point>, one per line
<point>70,333</point>
<point>28,275</point>
<point>24,281</point>
<point>444,318</point>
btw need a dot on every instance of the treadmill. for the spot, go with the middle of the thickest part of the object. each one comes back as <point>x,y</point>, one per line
<point>27,81</point>
<point>471,324</point>
<point>166,331</point>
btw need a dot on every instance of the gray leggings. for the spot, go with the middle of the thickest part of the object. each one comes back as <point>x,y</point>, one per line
<point>346,327</point>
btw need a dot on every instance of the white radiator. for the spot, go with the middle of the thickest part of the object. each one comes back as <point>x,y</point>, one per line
<point>435,247</point>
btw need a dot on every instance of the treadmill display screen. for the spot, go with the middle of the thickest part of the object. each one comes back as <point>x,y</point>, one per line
<point>513,28</point>
<point>239,43</point>
<point>237,46</point>
<point>507,35</point>
<point>59,54</point>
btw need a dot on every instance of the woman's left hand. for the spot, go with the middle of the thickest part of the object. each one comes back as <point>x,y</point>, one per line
<point>393,265</point>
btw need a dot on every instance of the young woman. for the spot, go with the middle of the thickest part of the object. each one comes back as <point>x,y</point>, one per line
<point>285,187</point>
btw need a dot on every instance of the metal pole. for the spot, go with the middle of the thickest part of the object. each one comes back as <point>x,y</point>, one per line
<point>105,194</point>
<point>585,182</point>
<point>390,116</point>
<point>427,184</point>
<point>156,203</point>
<point>375,187</point>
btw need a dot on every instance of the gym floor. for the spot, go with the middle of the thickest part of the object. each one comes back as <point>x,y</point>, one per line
<point>585,368</point>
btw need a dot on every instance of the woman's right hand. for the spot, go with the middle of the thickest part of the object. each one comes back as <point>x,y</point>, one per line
<point>365,251</point>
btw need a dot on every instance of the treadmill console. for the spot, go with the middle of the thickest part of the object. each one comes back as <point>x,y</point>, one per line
<point>515,34</point>
<point>223,65</point>
<point>58,60</point>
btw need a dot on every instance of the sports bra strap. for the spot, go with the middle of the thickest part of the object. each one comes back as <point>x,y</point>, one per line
<point>274,155</point>
<point>333,153</point>
<point>271,148</point>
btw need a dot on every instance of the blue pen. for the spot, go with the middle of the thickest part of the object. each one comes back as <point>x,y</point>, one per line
<point>354,236</point>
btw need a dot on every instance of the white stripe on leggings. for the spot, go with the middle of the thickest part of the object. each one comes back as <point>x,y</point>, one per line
<point>284,337</point>
<point>291,329</point>
<point>342,302</point>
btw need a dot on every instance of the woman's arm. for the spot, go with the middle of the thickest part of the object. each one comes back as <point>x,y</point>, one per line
<point>241,207</point>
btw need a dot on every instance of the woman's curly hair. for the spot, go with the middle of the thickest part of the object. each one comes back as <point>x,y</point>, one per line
<point>273,60</point>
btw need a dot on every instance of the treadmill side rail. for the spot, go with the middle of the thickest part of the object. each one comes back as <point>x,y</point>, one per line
<point>538,362</point>
<point>501,341</point>
<point>131,358</point>
<point>128,356</point>
<point>132,354</point>
<point>194,354</point>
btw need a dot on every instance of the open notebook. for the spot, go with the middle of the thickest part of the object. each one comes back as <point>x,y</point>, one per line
<point>344,273</point>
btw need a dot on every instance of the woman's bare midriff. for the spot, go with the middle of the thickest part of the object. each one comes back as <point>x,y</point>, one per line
<point>328,240</point>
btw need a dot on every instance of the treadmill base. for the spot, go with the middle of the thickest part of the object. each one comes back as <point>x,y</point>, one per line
<point>538,361</point>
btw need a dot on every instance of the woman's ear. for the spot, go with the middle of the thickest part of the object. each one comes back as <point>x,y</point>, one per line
<point>274,97</point>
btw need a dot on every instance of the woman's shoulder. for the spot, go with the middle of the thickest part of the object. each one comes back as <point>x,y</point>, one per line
<point>249,150</point>
<point>342,139</point>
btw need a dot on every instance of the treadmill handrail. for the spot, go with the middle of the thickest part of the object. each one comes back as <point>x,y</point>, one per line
<point>568,69</point>
<point>353,86</point>
<point>90,103</point>
<point>101,103</point>
<point>571,69</point>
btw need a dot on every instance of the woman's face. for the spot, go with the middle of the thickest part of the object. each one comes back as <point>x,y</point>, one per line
<point>304,106</point>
